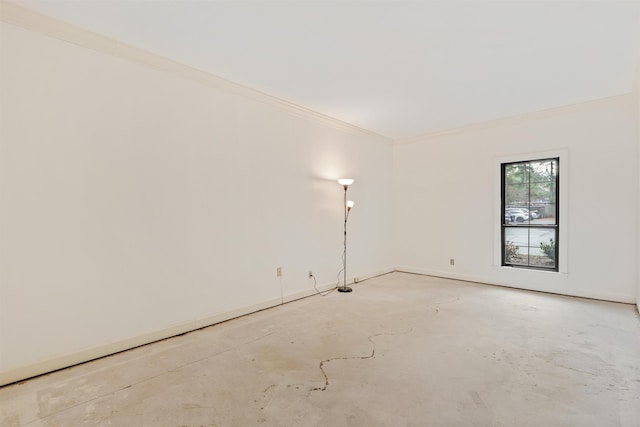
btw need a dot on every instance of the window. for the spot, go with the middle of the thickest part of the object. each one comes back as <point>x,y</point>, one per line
<point>530,212</point>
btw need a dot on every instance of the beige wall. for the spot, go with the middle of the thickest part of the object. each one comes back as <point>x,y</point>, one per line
<point>448,200</point>
<point>137,203</point>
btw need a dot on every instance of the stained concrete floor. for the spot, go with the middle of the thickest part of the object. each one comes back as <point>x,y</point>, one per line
<point>401,350</point>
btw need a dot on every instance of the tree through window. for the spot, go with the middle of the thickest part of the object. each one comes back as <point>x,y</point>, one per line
<point>530,214</point>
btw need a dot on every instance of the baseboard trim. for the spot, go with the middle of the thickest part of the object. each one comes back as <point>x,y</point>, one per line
<point>486,281</point>
<point>71,359</point>
<point>46,366</point>
<point>65,361</point>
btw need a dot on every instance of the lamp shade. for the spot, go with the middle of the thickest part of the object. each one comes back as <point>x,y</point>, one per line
<point>345,181</point>
<point>350,204</point>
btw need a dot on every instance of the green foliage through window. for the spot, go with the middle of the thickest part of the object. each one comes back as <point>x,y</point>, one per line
<point>549,249</point>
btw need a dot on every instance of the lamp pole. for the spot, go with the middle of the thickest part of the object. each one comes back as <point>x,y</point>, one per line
<point>347,208</point>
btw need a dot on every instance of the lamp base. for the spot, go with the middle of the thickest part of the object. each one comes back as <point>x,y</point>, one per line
<point>344,289</point>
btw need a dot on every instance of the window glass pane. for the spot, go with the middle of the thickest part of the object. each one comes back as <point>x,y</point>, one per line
<point>544,213</point>
<point>544,170</point>
<point>530,246</point>
<point>517,173</point>
<point>516,246</point>
<point>542,251</point>
<point>518,215</point>
<point>542,192</point>
<point>516,195</point>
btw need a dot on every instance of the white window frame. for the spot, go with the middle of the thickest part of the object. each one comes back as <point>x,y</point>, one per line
<point>564,196</point>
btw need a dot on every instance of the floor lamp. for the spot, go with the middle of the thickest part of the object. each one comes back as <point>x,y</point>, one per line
<point>348,204</point>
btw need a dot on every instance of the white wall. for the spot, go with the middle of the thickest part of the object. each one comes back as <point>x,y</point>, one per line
<point>141,199</point>
<point>137,203</point>
<point>637,92</point>
<point>448,204</point>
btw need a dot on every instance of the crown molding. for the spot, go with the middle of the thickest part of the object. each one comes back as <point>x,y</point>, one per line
<point>520,118</point>
<point>11,13</point>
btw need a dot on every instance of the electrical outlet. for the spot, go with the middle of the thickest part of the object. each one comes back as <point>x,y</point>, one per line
<point>279,271</point>
<point>310,274</point>
<point>452,261</point>
<point>356,279</point>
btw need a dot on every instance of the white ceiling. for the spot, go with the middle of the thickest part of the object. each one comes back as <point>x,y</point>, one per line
<point>398,68</point>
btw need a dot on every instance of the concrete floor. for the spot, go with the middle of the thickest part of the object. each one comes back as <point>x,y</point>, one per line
<point>401,350</point>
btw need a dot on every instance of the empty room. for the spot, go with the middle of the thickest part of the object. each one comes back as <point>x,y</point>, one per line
<point>319,213</point>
